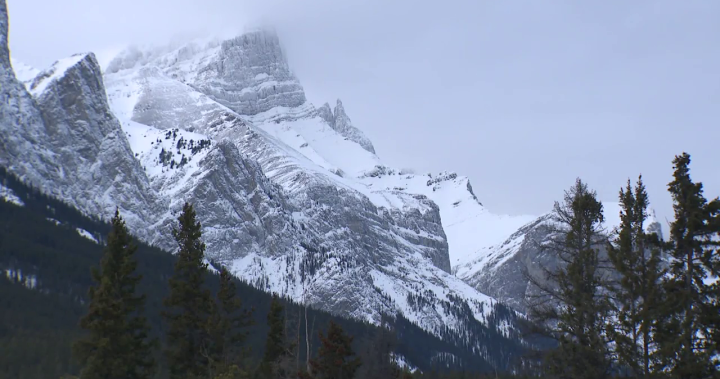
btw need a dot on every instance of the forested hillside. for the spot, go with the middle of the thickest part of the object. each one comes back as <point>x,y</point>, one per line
<point>46,256</point>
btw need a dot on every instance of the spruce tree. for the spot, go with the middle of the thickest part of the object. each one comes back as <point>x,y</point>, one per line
<point>636,256</point>
<point>227,327</point>
<point>335,359</point>
<point>690,312</point>
<point>189,304</point>
<point>277,349</point>
<point>571,302</point>
<point>117,345</point>
<point>376,354</point>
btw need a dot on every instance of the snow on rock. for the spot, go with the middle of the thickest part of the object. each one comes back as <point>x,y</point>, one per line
<point>23,72</point>
<point>17,276</point>
<point>469,226</point>
<point>402,362</point>
<point>340,122</point>
<point>287,199</point>
<point>43,79</point>
<point>71,146</point>
<point>84,233</point>
<point>7,195</point>
<point>318,228</point>
<point>499,269</point>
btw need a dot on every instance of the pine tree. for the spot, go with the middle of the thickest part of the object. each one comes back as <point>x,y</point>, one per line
<point>686,337</point>
<point>117,345</point>
<point>635,255</point>
<point>189,304</point>
<point>278,350</point>
<point>227,327</point>
<point>335,357</point>
<point>571,302</point>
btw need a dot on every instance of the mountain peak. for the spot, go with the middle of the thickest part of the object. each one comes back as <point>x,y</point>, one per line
<point>57,71</point>
<point>23,72</point>
<point>342,124</point>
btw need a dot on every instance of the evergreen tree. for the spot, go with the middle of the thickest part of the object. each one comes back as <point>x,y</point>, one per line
<point>376,355</point>
<point>277,349</point>
<point>227,327</point>
<point>335,357</point>
<point>635,255</point>
<point>691,310</point>
<point>571,302</point>
<point>189,304</point>
<point>117,345</point>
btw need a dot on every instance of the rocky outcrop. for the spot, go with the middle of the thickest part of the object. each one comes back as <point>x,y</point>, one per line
<point>215,124</point>
<point>250,75</point>
<point>340,122</point>
<point>502,271</point>
<point>89,145</point>
<point>21,124</point>
<point>66,142</point>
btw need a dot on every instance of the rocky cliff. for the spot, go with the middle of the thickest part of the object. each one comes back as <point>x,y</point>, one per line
<point>291,200</point>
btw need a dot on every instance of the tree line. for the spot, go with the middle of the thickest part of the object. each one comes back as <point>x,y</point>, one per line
<point>39,241</point>
<point>630,305</point>
<point>204,333</point>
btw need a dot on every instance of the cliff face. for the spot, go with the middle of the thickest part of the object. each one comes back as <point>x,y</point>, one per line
<point>291,197</point>
<point>501,270</point>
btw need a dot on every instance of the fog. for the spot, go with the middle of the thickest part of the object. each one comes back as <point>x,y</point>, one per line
<point>522,97</point>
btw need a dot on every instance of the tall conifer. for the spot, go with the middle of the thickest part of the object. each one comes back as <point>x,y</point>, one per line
<point>690,313</point>
<point>335,359</point>
<point>189,304</point>
<point>571,302</point>
<point>278,350</point>
<point>228,329</point>
<point>117,345</point>
<point>636,256</point>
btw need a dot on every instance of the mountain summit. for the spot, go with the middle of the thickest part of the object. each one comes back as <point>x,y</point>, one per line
<point>292,198</point>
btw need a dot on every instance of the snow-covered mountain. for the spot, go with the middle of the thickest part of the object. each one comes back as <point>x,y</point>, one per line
<point>500,270</point>
<point>292,198</point>
<point>350,234</point>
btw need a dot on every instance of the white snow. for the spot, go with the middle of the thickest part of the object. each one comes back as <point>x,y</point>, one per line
<point>86,234</point>
<point>402,362</point>
<point>6,194</point>
<point>55,72</point>
<point>23,72</point>
<point>17,276</point>
<point>470,228</point>
<point>296,148</point>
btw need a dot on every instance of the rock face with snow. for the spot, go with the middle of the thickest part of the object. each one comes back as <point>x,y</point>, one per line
<point>23,72</point>
<point>99,171</point>
<point>21,124</point>
<point>291,197</point>
<point>72,146</point>
<point>340,122</point>
<point>328,225</point>
<point>501,270</point>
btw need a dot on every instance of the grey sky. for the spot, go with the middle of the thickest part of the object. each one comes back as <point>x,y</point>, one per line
<point>521,96</point>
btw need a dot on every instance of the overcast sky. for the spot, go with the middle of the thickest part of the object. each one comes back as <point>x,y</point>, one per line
<point>521,96</point>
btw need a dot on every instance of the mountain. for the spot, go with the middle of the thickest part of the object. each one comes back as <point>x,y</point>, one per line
<point>500,270</point>
<point>292,198</point>
<point>46,254</point>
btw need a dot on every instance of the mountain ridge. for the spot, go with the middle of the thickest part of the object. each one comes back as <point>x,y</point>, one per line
<point>289,203</point>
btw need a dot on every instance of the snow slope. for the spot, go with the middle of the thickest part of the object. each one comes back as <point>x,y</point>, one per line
<point>355,244</point>
<point>6,194</point>
<point>43,79</point>
<point>24,72</point>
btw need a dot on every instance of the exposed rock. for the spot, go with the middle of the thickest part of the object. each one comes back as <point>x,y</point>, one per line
<point>250,75</point>
<point>501,271</point>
